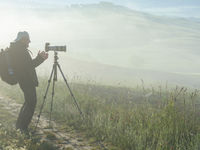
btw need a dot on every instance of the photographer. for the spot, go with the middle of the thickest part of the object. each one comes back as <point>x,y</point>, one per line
<point>24,69</point>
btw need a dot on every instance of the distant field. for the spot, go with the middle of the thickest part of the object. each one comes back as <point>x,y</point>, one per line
<point>129,118</point>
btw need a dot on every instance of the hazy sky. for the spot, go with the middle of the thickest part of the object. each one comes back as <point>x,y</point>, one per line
<point>182,8</point>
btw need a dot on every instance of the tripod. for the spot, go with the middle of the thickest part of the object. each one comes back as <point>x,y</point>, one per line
<point>56,66</point>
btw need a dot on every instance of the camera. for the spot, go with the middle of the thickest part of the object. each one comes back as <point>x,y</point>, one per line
<point>55,48</point>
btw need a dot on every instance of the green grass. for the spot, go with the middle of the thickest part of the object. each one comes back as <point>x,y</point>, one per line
<point>131,119</point>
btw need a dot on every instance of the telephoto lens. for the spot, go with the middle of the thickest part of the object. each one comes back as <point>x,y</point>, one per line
<point>55,48</point>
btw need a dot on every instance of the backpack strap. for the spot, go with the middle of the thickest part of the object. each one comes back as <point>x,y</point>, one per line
<point>30,52</point>
<point>10,69</point>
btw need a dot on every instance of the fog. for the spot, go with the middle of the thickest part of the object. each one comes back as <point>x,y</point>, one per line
<point>103,40</point>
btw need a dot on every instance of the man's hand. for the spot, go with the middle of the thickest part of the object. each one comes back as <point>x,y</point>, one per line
<point>43,54</point>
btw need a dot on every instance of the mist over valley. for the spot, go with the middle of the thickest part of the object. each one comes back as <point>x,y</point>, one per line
<point>111,43</point>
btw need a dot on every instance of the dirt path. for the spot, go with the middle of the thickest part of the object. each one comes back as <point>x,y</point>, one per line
<point>61,139</point>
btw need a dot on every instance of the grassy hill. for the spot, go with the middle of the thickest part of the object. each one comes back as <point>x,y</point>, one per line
<point>129,118</point>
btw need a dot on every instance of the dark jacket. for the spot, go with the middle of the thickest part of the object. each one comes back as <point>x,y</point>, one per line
<point>23,65</point>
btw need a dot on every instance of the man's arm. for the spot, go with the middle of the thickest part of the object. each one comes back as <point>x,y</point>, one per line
<point>41,57</point>
<point>37,61</point>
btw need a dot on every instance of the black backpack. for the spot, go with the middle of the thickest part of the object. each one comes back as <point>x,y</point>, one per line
<point>6,71</point>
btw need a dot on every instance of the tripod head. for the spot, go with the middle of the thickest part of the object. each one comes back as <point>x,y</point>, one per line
<point>56,57</point>
<point>55,65</point>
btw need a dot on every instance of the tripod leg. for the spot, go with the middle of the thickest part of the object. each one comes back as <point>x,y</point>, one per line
<point>53,89</point>
<point>44,99</point>
<point>70,90</point>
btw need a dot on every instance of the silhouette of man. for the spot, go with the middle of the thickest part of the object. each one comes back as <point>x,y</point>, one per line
<point>24,69</point>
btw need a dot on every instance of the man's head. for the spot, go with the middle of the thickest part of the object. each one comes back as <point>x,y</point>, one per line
<point>24,38</point>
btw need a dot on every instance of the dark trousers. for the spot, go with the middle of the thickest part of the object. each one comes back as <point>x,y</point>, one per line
<point>28,108</point>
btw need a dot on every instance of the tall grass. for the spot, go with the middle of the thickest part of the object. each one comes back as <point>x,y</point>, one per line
<point>156,118</point>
